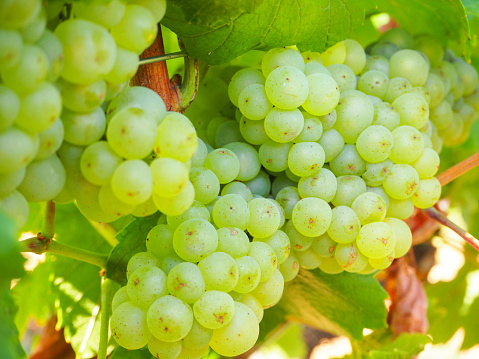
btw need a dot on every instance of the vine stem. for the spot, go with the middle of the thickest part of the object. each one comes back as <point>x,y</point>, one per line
<point>173,55</point>
<point>40,245</point>
<point>458,170</point>
<point>106,297</point>
<point>442,219</point>
<point>48,225</point>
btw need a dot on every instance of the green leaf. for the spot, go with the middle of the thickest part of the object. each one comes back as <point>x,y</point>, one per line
<point>132,239</point>
<point>403,347</point>
<point>11,261</point>
<point>312,25</point>
<point>444,19</point>
<point>10,347</point>
<point>122,353</point>
<point>341,304</point>
<point>75,284</point>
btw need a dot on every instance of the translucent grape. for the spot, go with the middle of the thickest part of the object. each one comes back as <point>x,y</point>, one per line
<point>330,266</point>
<point>312,129</point>
<point>427,164</point>
<point>290,268</point>
<point>164,350</point>
<point>349,187</point>
<point>12,46</point>
<point>397,87</point>
<point>324,246</point>
<point>120,297</point>
<point>279,183</point>
<point>111,205</point>
<point>283,125</point>
<point>10,104</point>
<point>195,239</point>
<point>168,262</point>
<point>375,144</point>
<point>402,181</point>
<point>185,281</point>
<point>146,285</point>
<point>145,209</point>
<point>344,77</point>
<point>129,327</point>
<point>408,145</point>
<point>83,129</point>
<point>132,182</point>
<point>350,258</point>
<point>206,184</point>
<point>231,210</point>
<point>369,207</point>
<point>436,88</point>
<point>298,242</point>
<point>427,194</point>
<point>345,224</point>
<point>253,131</point>
<point>197,210</point>
<point>177,205</point>
<point>249,274</point>
<point>279,57</point>
<point>323,94</point>
<point>311,216</point>
<point>306,158</point>
<point>265,256</point>
<point>376,240</point>
<point>15,206</point>
<point>349,161</point>
<point>228,132</point>
<point>224,163</point>
<point>398,37</point>
<point>159,241</point>
<point>238,188</point>
<point>332,142</point>
<point>50,140</point>
<point>264,218</point>
<point>328,120</point>
<point>83,98</point>
<point>321,185</point>
<point>308,259</point>
<point>10,181</point>
<point>98,162</point>
<point>248,159</point>
<point>254,304</point>
<point>385,115</point>
<point>336,54</point>
<point>274,156</point>
<point>382,263</point>
<point>140,259</point>
<point>401,209</point>
<point>214,309</point>
<point>376,62</point>
<point>376,173</point>
<point>280,243</point>
<point>104,14</point>
<point>468,76</point>
<point>374,82</point>
<point>270,292</point>
<point>287,198</point>
<point>171,185</point>
<point>241,80</point>
<point>315,68</point>
<point>409,64</point>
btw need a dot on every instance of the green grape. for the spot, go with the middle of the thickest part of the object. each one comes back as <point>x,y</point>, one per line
<point>98,163</point>
<point>248,159</point>
<point>249,274</point>
<point>397,87</point>
<point>355,113</point>
<point>381,193</point>
<point>254,304</point>
<point>280,243</point>
<point>376,173</point>
<point>333,143</point>
<point>168,262</point>
<point>287,198</point>
<point>136,30</point>
<point>413,110</point>
<point>253,102</point>
<point>233,241</point>
<point>323,95</point>
<point>374,100</point>
<point>35,28</point>
<point>265,256</point>
<point>10,181</point>
<point>330,266</point>
<point>468,76</point>
<point>145,209</point>
<point>10,104</point>
<point>164,350</point>
<point>306,158</point>
<point>401,209</point>
<point>185,281</point>
<point>140,259</point>
<point>83,129</point>
<point>427,194</point>
<point>374,82</point>
<point>345,224</point>
<point>269,292</point>
<point>336,54</point>
<point>188,353</point>
<point>120,297</point>
<point>423,92</point>
<point>315,68</point>
<point>224,163</point>
<point>43,180</point>
<point>402,234</point>
<point>385,115</point>
<point>308,259</point>
<point>436,88</point>
<point>328,120</point>
<point>128,325</point>
<point>176,137</point>
<point>157,7</point>
<point>197,210</point>
<point>402,181</point>
<point>199,157</point>
<point>264,218</point>
<point>228,132</point>
<point>473,99</point>
<point>253,131</point>
<point>106,14</point>
<point>171,185</point>
<point>28,72</point>
<point>112,91</point>
<point>298,241</point>
<point>214,309</point>
<point>349,187</point>
<point>195,239</point>
<point>408,145</point>
<point>312,129</point>
<point>280,57</point>
<point>231,210</point>
<point>15,206</point>
<point>159,241</point>
<point>409,64</point>
<point>206,184</point>
<point>274,156</point>
<point>289,268</point>
<point>350,258</point>
<point>89,51</point>
<point>50,140</point>
<point>427,164</point>
<point>198,337</point>
<point>374,144</point>
<point>11,47</point>
<point>311,216</point>
<point>111,205</point>
<point>283,125</point>
<point>382,263</point>
<point>376,240</point>
<point>399,37</point>
<point>369,207</point>
<point>312,57</point>
<point>83,98</point>
<point>87,202</point>
<point>344,77</point>
<point>238,188</point>
<point>241,80</point>
<point>220,271</point>
<point>385,49</point>
<point>146,285</point>
<point>355,56</point>
<point>132,182</point>
<point>368,270</point>
<point>239,335</point>
<point>279,183</point>
<point>349,161</point>
<point>212,93</point>
<point>323,245</point>
<point>376,62</point>
<point>169,319</point>
<point>212,128</point>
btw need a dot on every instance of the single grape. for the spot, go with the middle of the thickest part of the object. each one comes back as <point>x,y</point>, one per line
<point>324,246</point>
<point>195,239</point>
<point>374,82</point>
<point>323,95</point>
<point>231,210</point>
<point>265,256</point>
<point>171,185</point>
<point>344,77</point>
<point>198,337</point>
<point>350,258</point>
<point>15,206</point>
<point>402,234</point>
<point>168,262</point>
<point>280,243</point>
<point>278,57</point>
<point>408,145</point>
<point>289,268</point>
<point>376,173</point>
<point>349,187</point>
<point>400,208</point>
<point>248,159</point>
<point>83,129</point>
<point>224,163</point>
<point>382,263</point>
<point>249,274</point>
<point>206,184</point>
<point>233,241</point>
<point>159,241</point>
<point>220,271</point>
<point>427,194</point>
<point>177,205</point>
<point>385,115</point>
<point>145,285</point>
<point>287,198</point>
<point>254,304</point>
<point>336,54</point>
<point>312,129</point>
<point>397,87</point>
<point>427,164</point>
<point>50,140</point>
<point>185,281</point>
<point>306,158</point>
<point>283,125</point>
<point>376,240</point>
<point>120,297</point>
<point>402,181</point>
<point>286,87</point>
<point>128,325</point>
<point>241,80</point>
<point>253,131</point>
<point>330,266</point>
<point>111,205</point>
<point>345,224</point>
<point>333,143</point>
<point>274,156</point>
<point>409,64</point>
<point>349,160</point>
<point>164,350</point>
<point>369,207</point>
<point>214,309</point>
<point>10,181</point>
<point>321,185</point>
<point>311,216</point>
<point>264,218</point>
<point>132,182</point>
<point>270,292</point>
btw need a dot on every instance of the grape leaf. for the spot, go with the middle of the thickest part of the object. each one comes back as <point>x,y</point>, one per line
<point>132,239</point>
<point>341,304</point>
<point>443,19</point>
<point>312,25</point>
<point>76,285</point>
<point>9,344</point>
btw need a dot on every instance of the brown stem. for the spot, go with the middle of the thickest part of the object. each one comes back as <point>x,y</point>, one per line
<point>155,75</point>
<point>441,218</point>
<point>458,170</point>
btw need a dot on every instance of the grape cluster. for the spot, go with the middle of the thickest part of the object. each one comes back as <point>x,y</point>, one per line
<point>68,131</point>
